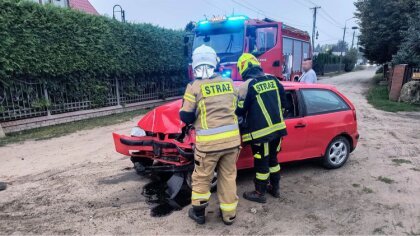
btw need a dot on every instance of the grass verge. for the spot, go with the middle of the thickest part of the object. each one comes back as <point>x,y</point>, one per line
<point>68,128</point>
<point>378,97</point>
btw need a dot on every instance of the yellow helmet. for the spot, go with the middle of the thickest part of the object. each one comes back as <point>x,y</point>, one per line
<point>244,60</point>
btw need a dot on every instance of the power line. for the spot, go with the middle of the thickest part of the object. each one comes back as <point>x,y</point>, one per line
<point>303,4</point>
<point>245,6</point>
<point>266,14</point>
<point>214,5</point>
<point>330,17</point>
<point>259,11</point>
<point>310,2</point>
<point>329,21</point>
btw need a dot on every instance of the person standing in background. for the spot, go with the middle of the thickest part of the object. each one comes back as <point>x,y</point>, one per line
<point>309,75</point>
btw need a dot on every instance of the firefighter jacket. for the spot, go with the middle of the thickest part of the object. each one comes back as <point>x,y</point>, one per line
<point>209,104</point>
<point>261,100</point>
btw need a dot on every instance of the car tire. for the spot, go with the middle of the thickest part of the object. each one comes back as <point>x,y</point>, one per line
<point>337,153</point>
<point>213,185</point>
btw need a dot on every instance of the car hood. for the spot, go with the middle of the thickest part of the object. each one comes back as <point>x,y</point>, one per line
<point>163,119</point>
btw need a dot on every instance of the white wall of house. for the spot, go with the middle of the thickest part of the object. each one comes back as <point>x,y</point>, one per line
<point>60,3</point>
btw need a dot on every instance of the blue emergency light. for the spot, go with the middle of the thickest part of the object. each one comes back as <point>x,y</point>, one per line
<point>203,22</point>
<point>227,73</point>
<point>223,19</point>
<point>238,18</point>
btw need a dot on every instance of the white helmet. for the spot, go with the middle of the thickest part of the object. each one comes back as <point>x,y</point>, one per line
<point>204,61</point>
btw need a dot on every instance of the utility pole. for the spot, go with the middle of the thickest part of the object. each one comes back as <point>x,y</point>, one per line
<point>315,8</point>
<point>354,28</point>
<point>343,42</point>
<point>342,48</point>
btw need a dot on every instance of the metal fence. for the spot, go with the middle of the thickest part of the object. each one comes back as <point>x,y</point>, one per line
<point>28,99</point>
<point>321,69</point>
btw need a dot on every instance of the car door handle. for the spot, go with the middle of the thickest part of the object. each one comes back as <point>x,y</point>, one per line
<point>300,125</point>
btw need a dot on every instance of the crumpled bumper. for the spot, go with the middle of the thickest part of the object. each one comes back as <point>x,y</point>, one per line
<point>167,151</point>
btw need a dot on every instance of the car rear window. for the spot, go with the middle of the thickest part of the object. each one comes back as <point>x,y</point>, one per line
<point>318,101</point>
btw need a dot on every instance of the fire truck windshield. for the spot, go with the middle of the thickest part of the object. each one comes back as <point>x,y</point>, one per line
<point>228,45</point>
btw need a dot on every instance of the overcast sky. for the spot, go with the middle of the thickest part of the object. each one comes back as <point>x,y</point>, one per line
<point>177,13</point>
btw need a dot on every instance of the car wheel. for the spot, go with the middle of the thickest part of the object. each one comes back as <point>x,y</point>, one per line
<point>213,185</point>
<point>337,153</point>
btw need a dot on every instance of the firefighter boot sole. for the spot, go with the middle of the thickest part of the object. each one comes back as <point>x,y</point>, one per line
<point>254,197</point>
<point>198,219</point>
<point>3,186</point>
<point>275,194</point>
<point>224,221</point>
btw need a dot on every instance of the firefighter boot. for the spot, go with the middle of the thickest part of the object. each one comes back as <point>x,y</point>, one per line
<point>259,194</point>
<point>274,186</point>
<point>226,220</point>
<point>197,213</point>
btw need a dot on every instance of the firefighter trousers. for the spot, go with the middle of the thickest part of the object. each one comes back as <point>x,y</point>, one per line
<point>205,165</point>
<point>266,166</point>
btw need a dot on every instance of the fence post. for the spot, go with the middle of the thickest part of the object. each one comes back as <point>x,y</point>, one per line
<point>46,99</point>
<point>2,134</point>
<point>117,87</point>
<point>397,81</point>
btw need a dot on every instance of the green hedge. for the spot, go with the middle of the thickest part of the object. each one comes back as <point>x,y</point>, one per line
<point>51,43</point>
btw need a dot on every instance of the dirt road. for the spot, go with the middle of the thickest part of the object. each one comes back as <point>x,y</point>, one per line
<point>77,184</point>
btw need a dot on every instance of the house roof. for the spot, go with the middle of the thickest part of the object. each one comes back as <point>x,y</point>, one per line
<point>83,5</point>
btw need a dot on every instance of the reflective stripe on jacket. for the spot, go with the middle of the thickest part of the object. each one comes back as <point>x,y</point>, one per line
<point>213,102</point>
<point>260,103</point>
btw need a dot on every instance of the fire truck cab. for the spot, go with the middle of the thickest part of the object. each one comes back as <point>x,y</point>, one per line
<point>280,48</point>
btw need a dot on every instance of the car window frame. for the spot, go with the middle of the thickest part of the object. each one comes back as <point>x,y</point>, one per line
<point>299,99</point>
<point>305,110</point>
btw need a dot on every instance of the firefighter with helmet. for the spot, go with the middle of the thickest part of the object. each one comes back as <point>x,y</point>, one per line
<point>209,105</point>
<point>261,102</point>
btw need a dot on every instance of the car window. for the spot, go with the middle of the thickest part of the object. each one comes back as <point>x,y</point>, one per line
<point>319,101</point>
<point>292,104</point>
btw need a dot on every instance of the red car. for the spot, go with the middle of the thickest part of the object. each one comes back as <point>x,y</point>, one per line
<point>322,123</point>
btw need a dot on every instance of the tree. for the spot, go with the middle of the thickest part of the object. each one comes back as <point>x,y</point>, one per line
<point>409,52</point>
<point>382,26</point>
<point>350,60</point>
<point>341,45</point>
<point>190,26</point>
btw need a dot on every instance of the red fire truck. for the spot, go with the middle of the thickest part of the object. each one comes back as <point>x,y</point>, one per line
<point>280,48</point>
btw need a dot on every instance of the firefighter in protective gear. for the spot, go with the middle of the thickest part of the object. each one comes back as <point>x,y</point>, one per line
<point>209,105</point>
<point>261,102</point>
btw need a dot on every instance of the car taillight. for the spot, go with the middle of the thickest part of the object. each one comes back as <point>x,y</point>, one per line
<point>354,115</point>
